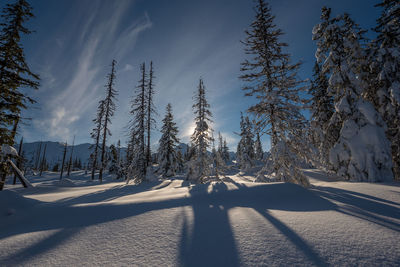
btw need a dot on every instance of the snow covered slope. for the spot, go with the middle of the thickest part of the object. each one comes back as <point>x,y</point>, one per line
<point>173,222</point>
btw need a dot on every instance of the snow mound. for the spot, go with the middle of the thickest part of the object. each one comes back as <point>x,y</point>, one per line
<point>11,202</point>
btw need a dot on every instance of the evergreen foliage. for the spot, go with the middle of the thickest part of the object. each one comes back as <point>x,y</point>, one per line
<point>167,155</point>
<point>15,73</point>
<point>323,134</point>
<point>272,79</point>
<point>385,65</point>
<point>199,165</point>
<point>245,149</point>
<point>151,111</point>
<point>137,149</point>
<point>258,151</point>
<point>362,151</point>
<point>96,135</point>
<point>109,109</point>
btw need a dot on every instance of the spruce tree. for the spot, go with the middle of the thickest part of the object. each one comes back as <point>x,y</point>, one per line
<point>14,71</point>
<point>219,161</point>
<point>137,163</point>
<point>168,162</point>
<point>385,65</point>
<point>323,134</point>
<point>113,168</point>
<point>258,151</point>
<point>109,109</point>
<point>150,113</point>
<point>272,79</point>
<point>96,135</point>
<point>225,152</point>
<point>245,151</point>
<point>362,151</point>
<point>199,166</point>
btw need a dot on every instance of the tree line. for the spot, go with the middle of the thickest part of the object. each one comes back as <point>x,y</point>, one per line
<point>353,97</point>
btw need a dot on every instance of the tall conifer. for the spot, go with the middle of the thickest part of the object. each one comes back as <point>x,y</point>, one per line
<point>109,109</point>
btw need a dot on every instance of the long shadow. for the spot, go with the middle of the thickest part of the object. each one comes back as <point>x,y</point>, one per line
<point>211,242</point>
<point>369,208</point>
<point>299,242</point>
<point>40,247</point>
<point>110,193</point>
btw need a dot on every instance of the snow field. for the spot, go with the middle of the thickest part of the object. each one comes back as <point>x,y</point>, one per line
<point>175,223</point>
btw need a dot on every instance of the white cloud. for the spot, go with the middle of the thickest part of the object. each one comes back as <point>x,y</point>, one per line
<point>128,67</point>
<point>80,94</point>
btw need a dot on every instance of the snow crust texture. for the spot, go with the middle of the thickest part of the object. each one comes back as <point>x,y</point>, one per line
<point>176,223</point>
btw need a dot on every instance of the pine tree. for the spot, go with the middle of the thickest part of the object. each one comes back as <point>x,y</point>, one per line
<point>199,166</point>
<point>385,65</point>
<point>96,135</point>
<point>167,154</point>
<point>225,152</point>
<point>272,79</point>
<point>109,109</point>
<point>219,161</point>
<point>362,151</point>
<point>14,71</point>
<point>323,134</point>
<point>258,151</point>
<point>245,150</point>
<point>137,163</point>
<point>180,161</point>
<point>150,113</point>
<point>113,168</point>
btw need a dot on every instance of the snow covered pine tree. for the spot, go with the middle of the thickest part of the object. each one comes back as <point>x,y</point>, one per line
<point>258,151</point>
<point>151,111</point>
<point>199,165</point>
<point>137,144</point>
<point>109,109</point>
<point>385,65</point>
<point>245,148</point>
<point>15,73</point>
<point>362,152</point>
<point>167,154</point>
<point>96,135</point>
<point>273,80</point>
<point>323,135</point>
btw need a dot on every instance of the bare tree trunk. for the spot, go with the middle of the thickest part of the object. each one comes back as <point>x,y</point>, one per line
<point>70,158</point>
<point>18,160</point>
<point>62,164</point>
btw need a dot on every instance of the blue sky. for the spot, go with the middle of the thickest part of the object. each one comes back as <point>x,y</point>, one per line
<point>76,40</point>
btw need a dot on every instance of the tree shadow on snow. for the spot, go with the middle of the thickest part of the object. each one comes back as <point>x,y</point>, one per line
<point>209,241</point>
<point>372,209</point>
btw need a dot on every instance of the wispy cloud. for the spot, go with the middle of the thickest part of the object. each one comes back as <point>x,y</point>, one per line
<point>80,85</point>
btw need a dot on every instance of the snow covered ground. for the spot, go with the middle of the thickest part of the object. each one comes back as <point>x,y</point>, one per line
<point>169,223</point>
